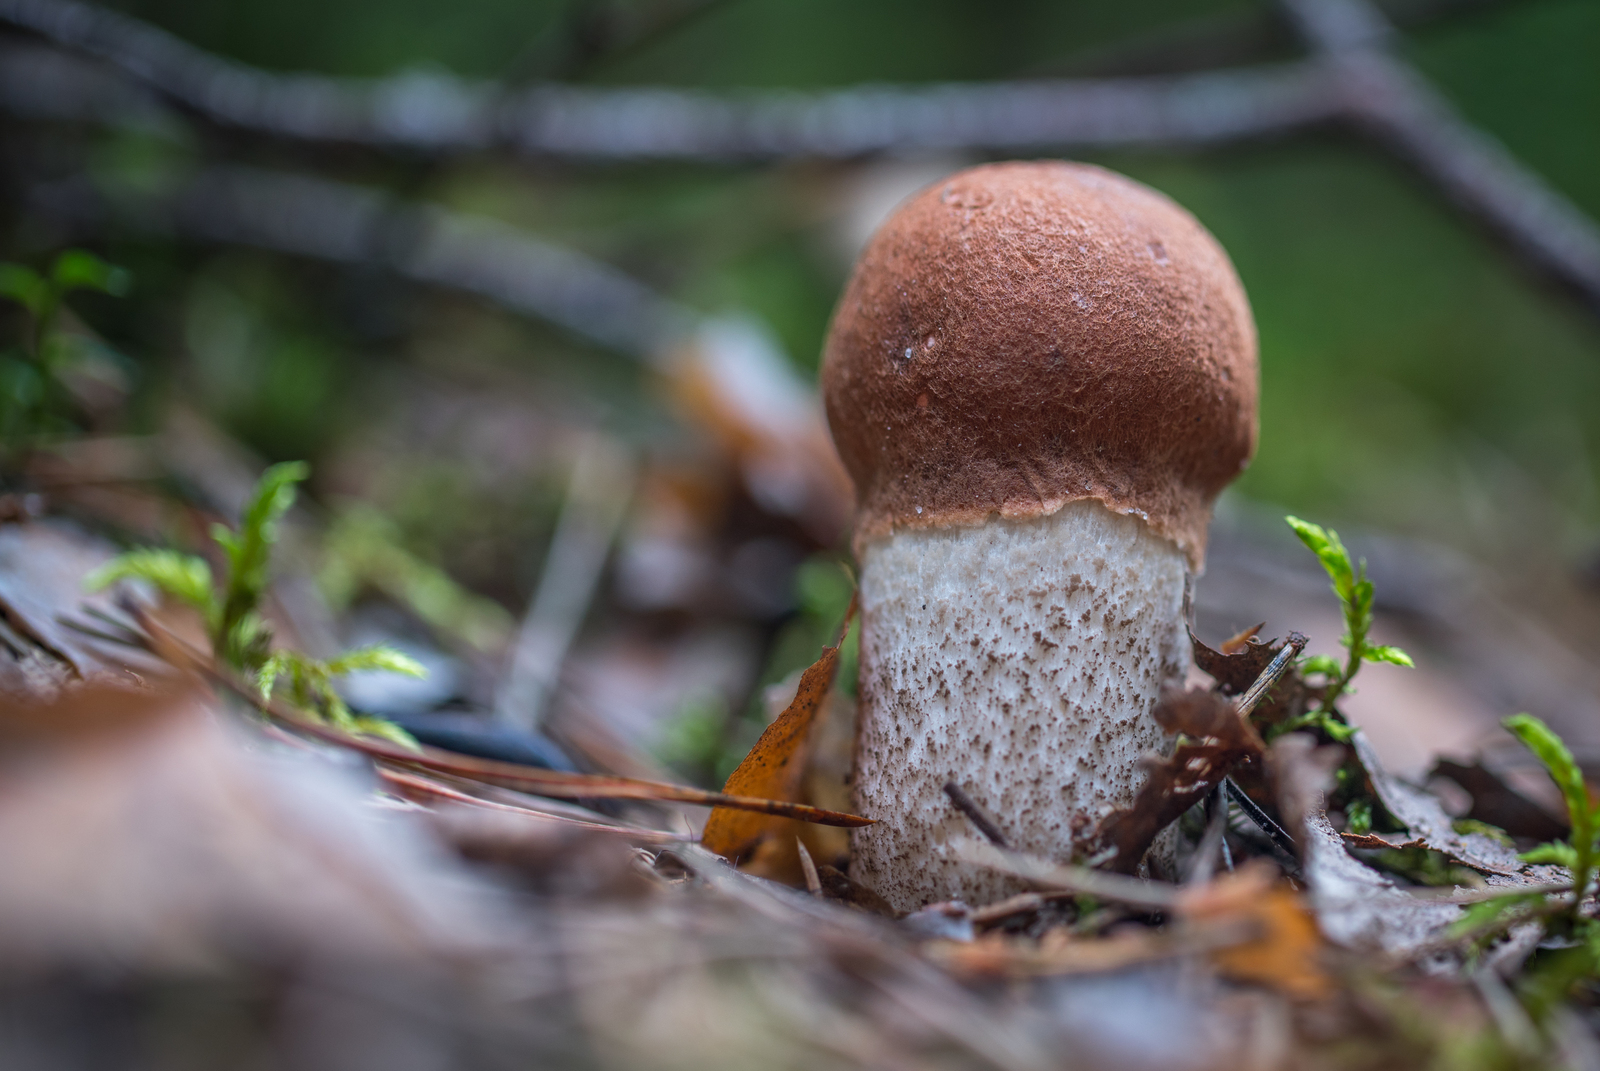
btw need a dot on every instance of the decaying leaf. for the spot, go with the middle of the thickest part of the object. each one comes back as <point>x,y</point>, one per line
<point>42,564</point>
<point>1214,740</point>
<point>1240,661</point>
<point>774,769</point>
<point>1355,905</point>
<point>997,955</point>
<point>1254,927</point>
<point>1284,953</point>
<point>1421,813</point>
<point>151,833</point>
<point>1497,804</point>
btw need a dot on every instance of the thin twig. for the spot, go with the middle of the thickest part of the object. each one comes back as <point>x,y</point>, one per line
<point>415,784</point>
<point>598,494</point>
<point>1392,101</point>
<point>439,114</point>
<point>809,868</point>
<point>125,637</point>
<point>1017,905</point>
<point>1211,841</point>
<point>1076,879</point>
<point>969,807</point>
<point>1279,837</point>
<point>1270,676</point>
<point>554,783</point>
<point>1492,892</point>
<point>311,217</point>
<point>305,216</point>
<point>135,638</point>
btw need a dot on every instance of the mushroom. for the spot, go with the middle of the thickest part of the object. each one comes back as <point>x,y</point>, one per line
<point>1039,377</point>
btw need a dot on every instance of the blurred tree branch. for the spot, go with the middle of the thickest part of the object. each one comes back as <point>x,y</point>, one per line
<point>737,378</point>
<point>596,31</point>
<point>436,113</point>
<point>1235,37</point>
<point>1387,98</point>
<point>310,217</point>
<point>1353,76</point>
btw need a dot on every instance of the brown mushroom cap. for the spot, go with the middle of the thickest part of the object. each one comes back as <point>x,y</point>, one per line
<point>1021,335</point>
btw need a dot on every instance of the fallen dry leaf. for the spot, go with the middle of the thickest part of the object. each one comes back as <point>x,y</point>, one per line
<point>1215,740</point>
<point>1422,814</point>
<point>1498,804</point>
<point>1356,906</point>
<point>1240,661</point>
<point>997,955</point>
<point>1286,952</point>
<point>774,769</point>
<point>171,839</point>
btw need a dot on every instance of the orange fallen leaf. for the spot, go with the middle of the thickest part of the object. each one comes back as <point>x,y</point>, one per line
<point>1241,640</point>
<point>775,767</point>
<point>1059,952</point>
<point>1286,953</point>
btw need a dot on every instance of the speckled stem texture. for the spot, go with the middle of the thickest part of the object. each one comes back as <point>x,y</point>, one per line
<point>1020,658</point>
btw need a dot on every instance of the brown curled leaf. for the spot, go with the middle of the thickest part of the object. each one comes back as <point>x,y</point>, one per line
<point>1240,660</point>
<point>1201,715</point>
<point>1215,740</point>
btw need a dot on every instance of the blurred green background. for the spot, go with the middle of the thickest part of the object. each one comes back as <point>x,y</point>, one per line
<point>1416,378</point>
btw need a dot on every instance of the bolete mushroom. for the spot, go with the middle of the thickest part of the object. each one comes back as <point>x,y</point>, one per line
<point>1040,376</point>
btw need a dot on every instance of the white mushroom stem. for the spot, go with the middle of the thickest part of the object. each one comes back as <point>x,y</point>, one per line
<point>1021,659</point>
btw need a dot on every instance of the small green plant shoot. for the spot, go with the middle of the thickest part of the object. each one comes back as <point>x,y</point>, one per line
<point>363,548</point>
<point>240,637</point>
<point>1562,918</point>
<point>1574,955</point>
<point>1354,590</point>
<point>1577,852</point>
<point>310,686</point>
<point>33,399</point>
